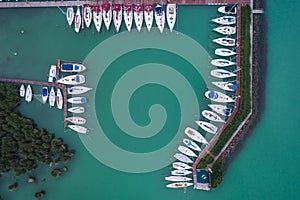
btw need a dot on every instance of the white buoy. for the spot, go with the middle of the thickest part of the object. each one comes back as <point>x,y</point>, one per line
<point>16,53</point>
<point>22,31</point>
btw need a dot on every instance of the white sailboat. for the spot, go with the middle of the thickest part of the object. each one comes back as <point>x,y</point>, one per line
<point>180,165</point>
<point>189,143</point>
<point>218,96</point>
<point>228,42</point>
<point>222,73</point>
<point>160,17</point>
<point>78,90</point>
<point>76,120</point>
<point>77,20</point>
<point>171,15</point>
<point>226,30</point>
<point>51,97</point>
<point>186,151</point>
<point>182,158</point>
<point>76,109</point>
<point>179,185</point>
<point>224,52</point>
<point>87,14</point>
<point>59,99</point>
<point>70,15</point>
<point>222,62</point>
<point>138,16</point>
<point>177,178</point>
<point>225,20</point>
<point>128,16</point>
<point>97,17</point>
<point>22,90</point>
<point>117,16</point>
<point>45,94</point>
<point>180,172</point>
<point>212,116</point>
<point>107,14</point>
<point>227,10</point>
<point>78,129</point>
<point>77,100</point>
<point>195,135</point>
<point>148,15</point>
<point>208,127</point>
<point>226,85</point>
<point>221,109</point>
<point>72,80</point>
<point>28,94</point>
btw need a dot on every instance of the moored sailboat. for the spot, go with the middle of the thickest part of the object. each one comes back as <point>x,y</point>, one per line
<point>208,127</point>
<point>228,42</point>
<point>171,15</point>
<point>179,185</point>
<point>186,151</point>
<point>222,62</point>
<point>76,109</point>
<point>45,94</point>
<point>77,100</point>
<point>77,20</point>
<point>78,129</point>
<point>28,94</point>
<point>177,178</point>
<point>221,109</point>
<point>218,96</point>
<point>222,73</point>
<point>138,16</point>
<point>76,120</point>
<point>72,80</point>
<point>59,99</point>
<point>195,135</point>
<point>128,16</point>
<point>78,90</point>
<point>97,17</point>
<point>87,14</point>
<point>226,30</point>
<point>70,15</point>
<point>180,165</point>
<point>226,85</point>
<point>180,172</point>
<point>160,17</point>
<point>212,116</point>
<point>51,97</point>
<point>22,90</point>
<point>117,15</point>
<point>225,20</point>
<point>148,15</point>
<point>107,14</point>
<point>189,143</point>
<point>182,158</point>
<point>224,52</point>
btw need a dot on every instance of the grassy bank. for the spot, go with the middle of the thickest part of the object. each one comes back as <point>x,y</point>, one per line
<point>244,102</point>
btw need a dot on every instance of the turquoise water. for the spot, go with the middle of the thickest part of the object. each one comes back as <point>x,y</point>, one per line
<point>265,168</point>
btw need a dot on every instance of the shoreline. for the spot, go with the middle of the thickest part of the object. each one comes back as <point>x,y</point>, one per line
<point>259,64</point>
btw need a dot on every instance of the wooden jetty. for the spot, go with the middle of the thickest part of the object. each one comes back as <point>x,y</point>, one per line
<point>61,86</point>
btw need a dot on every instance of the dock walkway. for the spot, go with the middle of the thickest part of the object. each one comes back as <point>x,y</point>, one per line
<point>61,86</point>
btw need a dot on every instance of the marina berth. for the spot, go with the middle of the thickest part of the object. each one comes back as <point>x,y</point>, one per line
<point>148,15</point>
<point>227,42</point>
<point>70,15</point>
<point>186,151</point>
<point>77,100</point>
<point>45,94</point>
<point>72,67</point>
<point>195,135</point>
<point>228,86</point>
<point>87,14</point>
<point>138,16</point>
<point>72,80</point>
<point>218,97</point>
<point>51,97</point>
<point>180,172</point>
<point>78,129</point>
<point>208,127</point>
<point>107,14</point>
<point>77,21</point>
<point>76,109</point>
<point>212,116</point>
<point>226,30</point>
<point>222,73</point>
<point>225,20</point>
<point>128,16</point>
<point>59,99</point>
<point>180,165</point>
<point>160,17</point>
<point>177,178</point>
<point>182,158</point>
<point>179,185</point>
<point>76,120</point>
<point>22,90</point>
<point>191,144</point>
<point>227,10</point>
<point>117,16</point>
<point>171,15</point>
<point>224,52</point>
<point>28,94</point>
<point>222,63</point>
<point>52,74</point>
<point>78,90</point>
<point>221,109</point>
<point>97,17</point>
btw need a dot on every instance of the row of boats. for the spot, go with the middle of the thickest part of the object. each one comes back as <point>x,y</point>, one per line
<point>108,12</point>
<point>190,150</point>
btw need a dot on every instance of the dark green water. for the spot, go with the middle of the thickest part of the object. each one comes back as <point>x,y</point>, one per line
<point>265,168</point>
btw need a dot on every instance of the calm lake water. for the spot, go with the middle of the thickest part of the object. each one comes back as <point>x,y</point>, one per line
<point>264,169</point>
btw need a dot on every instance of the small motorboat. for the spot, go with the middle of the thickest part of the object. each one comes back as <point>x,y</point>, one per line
<point>22,90</point>
<point>45,94</point>
<point>76,109</point>
<point>77,100</point>
<point>72,67</point>
<point>70,15</point>
<point>52,74</point>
